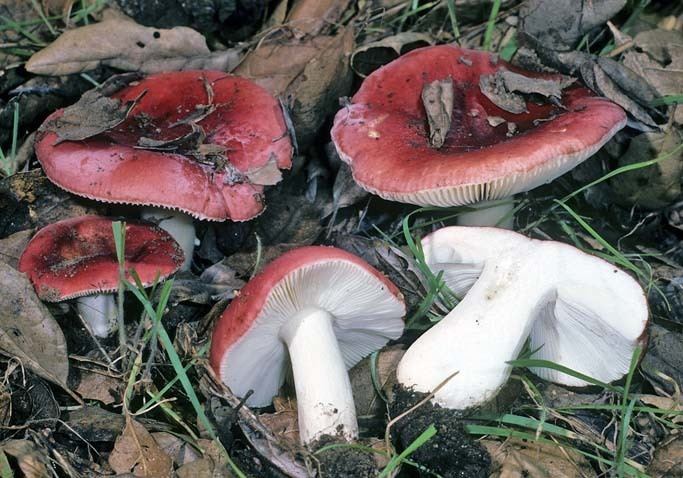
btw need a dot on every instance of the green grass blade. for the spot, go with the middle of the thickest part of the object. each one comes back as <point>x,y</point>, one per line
<point>561,368</point>
<point>178,367</point>
<point>395,461</point>
<point>453,19</point>
<point>491,25</point>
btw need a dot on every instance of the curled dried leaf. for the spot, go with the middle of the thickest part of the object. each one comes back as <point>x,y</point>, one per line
<point>136,451</point>
<point>437,98</point>
<point>36,340</point>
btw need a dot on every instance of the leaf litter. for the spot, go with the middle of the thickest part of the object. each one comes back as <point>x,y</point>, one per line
<point>306,53</point>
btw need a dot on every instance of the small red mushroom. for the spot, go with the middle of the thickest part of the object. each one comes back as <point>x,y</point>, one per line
<point>383,134</point>
<point>76,259</point>
<point>320,309</point>
<point>203,143</point>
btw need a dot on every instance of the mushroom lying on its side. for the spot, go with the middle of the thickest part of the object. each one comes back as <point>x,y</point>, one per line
<point>76,259</point>
<point>578,310</point>
<point>323,310</point>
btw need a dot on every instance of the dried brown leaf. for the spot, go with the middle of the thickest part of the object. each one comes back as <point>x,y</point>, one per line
<point>136,451</point>
<point>93,114</point>
<point>345,191</point>
<point>506,89</point>
<point>668,460</point>
<point>33,461</point>
<point>121,43</point>
<point>28,331</point>
<point>13,246</point>
<point>660,62</point>
<point>517,459</point>
<point>178,449</point>
<point>656,186</point>
<point>365,396</point>
<point>284,422</point>
<point>213,463</point>
<point>267,175</point>
<point>367,58</point>
<point>604,84</point>
<point>310,74</point>
<point>437,98</point>
<point>98,386</point>
<point>673,404</point>
<point>560,24</point>
<point>312,16</point>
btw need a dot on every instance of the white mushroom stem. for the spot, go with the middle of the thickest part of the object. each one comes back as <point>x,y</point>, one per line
<point>476,339</point>
<point>490,213</point>
<point>323,390</point>
<point>99,312</point>
<point>179,225</point>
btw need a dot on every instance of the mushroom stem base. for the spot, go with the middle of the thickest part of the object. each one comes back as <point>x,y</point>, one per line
<point>179,225</point>
<point>490,213</point>
<point>323,390</point>
<point>99,312</point>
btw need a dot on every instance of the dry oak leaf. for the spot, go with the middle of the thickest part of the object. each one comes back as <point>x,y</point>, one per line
<point>136,451</point>
<point>516,458</point>
<point>99,386</point>
<point>213,464</point>
<point>310,74</point>
<point>32,461</point>
<point>668,459</point>
<point>312,16</point>
<point>121,43</point>
<point>367,58</point>
<point>28,331</point>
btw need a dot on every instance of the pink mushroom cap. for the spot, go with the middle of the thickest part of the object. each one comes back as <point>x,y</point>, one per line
<point>383,133</point>
<point>367,307</point>
<point>77,257</point>
<point>111,167</point>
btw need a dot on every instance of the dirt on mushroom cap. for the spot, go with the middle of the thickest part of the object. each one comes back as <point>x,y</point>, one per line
<point>192,152</point>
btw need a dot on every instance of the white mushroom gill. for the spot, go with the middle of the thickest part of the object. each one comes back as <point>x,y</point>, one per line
<point>324,317</point>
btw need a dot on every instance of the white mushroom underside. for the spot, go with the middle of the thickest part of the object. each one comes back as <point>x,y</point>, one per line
<point>579,311</point>
<point>365,316</point>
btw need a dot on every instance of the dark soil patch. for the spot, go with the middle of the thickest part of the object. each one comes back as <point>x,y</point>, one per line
<point>343,461</point>
<point>451,452</point>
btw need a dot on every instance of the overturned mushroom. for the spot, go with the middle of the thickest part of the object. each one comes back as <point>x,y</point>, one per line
<point>76,259</point>
<point>578,310</point>
<point>486,153</point>
<point>196,144</point>
<point>323,310</point>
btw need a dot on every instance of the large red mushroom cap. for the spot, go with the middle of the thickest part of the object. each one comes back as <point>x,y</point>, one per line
<point>383,133</point>
<point>133,163</point>
<point>77,257</point>
<point>246,349</point>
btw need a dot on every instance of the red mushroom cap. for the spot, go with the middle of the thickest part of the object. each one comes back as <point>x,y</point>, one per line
<point>368,311</point>
<point>383,134</point>
<point>77,257</point>
<point>111,167</point>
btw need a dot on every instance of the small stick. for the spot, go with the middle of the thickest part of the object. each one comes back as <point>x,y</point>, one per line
<point>429,396</point>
